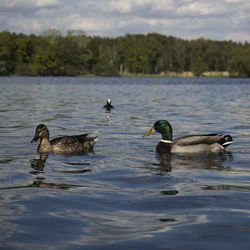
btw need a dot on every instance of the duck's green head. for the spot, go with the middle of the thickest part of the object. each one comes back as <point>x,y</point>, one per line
<point>41,132</point>
<point>163,127</point>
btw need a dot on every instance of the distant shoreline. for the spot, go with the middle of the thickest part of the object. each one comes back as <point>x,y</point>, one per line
<point>186,74</point>
<point>179,74</point>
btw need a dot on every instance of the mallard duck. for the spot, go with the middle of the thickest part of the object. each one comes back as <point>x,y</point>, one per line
<point>64,144</point>
<point>108,106</point>
<point>207,143</point>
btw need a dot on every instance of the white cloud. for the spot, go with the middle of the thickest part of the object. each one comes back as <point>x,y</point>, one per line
<point>21,4</point>
<point>201,9</point>
<point>91,25</point>
<point>214,19</point>
<point>121,6</point>
<point>238,36</point>
<point>235,1</point>
<point>46,3</point>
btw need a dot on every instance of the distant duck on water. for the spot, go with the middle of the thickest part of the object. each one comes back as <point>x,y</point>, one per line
<point>65,144</point>
<point>190,144</point>
<point>108,106</point>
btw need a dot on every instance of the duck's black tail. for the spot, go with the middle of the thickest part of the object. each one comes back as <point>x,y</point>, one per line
<point>226,140</point>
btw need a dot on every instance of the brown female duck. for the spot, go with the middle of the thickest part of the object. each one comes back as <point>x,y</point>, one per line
<point>64,144</point>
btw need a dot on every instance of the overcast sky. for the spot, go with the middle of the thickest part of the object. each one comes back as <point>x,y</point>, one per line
<point>189,19</point>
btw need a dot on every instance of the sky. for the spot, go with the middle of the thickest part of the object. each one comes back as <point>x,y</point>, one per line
<point>187,19</point>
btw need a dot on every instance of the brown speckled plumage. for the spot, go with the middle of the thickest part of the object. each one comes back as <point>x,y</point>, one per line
<point>64,144</point>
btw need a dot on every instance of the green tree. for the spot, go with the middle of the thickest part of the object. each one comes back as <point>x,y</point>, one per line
<point>46,61</point>
<point>198,66</point>
<point>239,63</point>
<point>74,52</point>
<point>23,53</point>
<point>138,57</point>
<point>51,53</point>
<point>7,53</point>
<point>51,35</point>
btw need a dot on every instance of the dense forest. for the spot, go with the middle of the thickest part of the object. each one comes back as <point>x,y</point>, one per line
<point>76,53</point>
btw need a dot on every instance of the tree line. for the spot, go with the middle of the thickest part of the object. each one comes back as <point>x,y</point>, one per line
<point>76,53</point>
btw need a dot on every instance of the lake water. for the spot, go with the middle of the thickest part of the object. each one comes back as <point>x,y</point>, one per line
<point>123,196</point>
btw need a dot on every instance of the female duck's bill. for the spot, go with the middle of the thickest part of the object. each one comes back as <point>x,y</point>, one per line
<point>205,143</point>
<point>64,144</point>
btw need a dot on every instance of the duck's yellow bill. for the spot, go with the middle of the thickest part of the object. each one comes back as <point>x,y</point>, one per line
<point>150,132</point>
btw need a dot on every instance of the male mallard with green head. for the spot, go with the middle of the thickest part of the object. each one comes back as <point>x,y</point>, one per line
<point>64,144</point>
<point>192,144</point>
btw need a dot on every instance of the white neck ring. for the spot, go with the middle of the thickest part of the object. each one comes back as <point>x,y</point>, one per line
<point>166,141</point>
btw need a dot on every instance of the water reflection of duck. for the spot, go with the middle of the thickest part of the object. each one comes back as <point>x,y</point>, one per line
<point>38,164</point>
<point>210,162</point>
<point>64,144</point>
<point>166,162</point>
<point>162,166</point>
<point>41,184</point>
<point>207,143</point>
<point>108,106</point>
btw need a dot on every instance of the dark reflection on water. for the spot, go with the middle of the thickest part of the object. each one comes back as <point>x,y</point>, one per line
<point>163,165</point>
<point>38,164</point>
<point>228,187</point>
<point>212,162</point>
<point>41,184</point>
<point>124,195</point>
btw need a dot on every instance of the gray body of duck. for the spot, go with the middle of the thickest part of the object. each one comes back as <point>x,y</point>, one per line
<point>64,144</point>
<point>191,144</point>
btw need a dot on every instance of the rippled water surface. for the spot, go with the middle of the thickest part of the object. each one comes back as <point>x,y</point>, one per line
<point>124,196</point>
